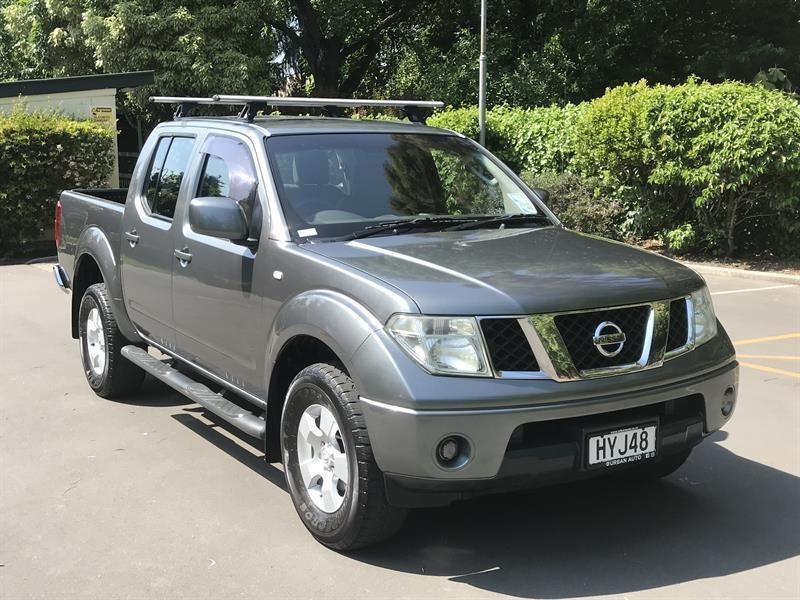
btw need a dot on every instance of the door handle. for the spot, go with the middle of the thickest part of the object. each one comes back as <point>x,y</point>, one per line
<point>132,238</point>
<point>184,258</point>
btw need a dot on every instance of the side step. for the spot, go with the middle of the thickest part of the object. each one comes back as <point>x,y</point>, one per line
<point>197,392</point>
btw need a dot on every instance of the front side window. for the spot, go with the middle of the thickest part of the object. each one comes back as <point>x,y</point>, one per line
<point>166,173</point>
<point>228,170</point>
<point>339,184</point>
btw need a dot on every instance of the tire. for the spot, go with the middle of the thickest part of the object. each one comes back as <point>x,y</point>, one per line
<point>108,372</point>
<point>661,467</point>
<point>344,517</point>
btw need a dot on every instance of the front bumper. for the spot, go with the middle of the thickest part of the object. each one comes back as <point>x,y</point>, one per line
<point>404,440</point>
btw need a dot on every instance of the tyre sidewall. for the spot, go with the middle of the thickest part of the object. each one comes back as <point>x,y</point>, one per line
<point>89,301</point>
<point>311,388</point>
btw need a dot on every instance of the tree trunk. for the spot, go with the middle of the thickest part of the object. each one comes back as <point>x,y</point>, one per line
<point>731,226</point>
<point>326,67</point>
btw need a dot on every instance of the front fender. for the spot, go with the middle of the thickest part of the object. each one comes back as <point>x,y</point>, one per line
<point>95,244</point>
<point>332,317</point>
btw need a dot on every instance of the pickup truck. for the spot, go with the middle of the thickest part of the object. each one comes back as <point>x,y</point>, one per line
<point>390,310</point>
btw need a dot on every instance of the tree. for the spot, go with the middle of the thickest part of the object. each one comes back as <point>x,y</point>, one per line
<point>550,51</point>
<point>201,47</point>
<point>196,47</point>
<point>330,46</point>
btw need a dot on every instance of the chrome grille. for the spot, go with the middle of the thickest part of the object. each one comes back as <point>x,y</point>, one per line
<point>508,347</point>
<point>577,331</point>
<point>678,324</point>
<point>563,346</point>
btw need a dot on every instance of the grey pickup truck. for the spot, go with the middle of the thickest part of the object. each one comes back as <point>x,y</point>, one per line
<point>389,310</point>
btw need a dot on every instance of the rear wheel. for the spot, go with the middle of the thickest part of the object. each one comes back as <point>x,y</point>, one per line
<point>334,482</point>
<point>109,374</point>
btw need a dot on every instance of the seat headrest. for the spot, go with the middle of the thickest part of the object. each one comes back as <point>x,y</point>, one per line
<point>312,167</point>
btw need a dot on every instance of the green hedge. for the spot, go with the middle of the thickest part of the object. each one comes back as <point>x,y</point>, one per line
<point>41,155</point>
<point>703,167</point>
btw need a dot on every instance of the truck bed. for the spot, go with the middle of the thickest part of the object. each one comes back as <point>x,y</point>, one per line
<point>84,209</point>
<point>117,195</point>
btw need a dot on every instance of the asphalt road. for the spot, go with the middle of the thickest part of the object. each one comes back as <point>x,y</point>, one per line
<point>148,498</point>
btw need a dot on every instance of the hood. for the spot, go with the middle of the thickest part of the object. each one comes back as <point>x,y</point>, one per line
<point>513,271</point>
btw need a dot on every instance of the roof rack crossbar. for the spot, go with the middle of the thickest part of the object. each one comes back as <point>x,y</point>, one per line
<point>416,110</point>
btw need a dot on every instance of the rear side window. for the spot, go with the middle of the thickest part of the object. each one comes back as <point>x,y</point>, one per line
<point>166,173</point>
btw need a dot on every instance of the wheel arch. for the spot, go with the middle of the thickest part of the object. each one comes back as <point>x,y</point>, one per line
<point>96,263</point>
<point>316,326</point>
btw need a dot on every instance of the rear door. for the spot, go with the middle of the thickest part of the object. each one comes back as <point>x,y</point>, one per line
<point>218,292</point>
<point>148,237</point>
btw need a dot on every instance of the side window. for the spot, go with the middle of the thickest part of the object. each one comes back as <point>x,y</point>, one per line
<point>154,175</point>
<point>178,156</point>
<point>167,168</point>
<point>228,171</point>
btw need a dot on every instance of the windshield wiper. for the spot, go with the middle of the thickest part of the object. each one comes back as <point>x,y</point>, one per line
<point>406,225</point>
<point>501,220</point>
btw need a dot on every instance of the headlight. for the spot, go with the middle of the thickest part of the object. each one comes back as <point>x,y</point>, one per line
<point>705,321</point>
<point>442,345</point>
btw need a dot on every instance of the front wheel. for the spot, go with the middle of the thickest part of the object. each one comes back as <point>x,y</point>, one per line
<point>108,373</point>
<point>334,482</point>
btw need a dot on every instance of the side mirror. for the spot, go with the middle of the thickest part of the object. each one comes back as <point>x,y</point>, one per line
<point>218,217</point>
<point>543,195</point>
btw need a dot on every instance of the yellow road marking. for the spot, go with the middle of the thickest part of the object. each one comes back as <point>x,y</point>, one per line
<point>771,338</point>
<point>770,369</point>
<point>768,356</point>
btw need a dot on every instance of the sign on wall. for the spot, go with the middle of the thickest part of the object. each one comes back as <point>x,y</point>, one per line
<point>101,114</point>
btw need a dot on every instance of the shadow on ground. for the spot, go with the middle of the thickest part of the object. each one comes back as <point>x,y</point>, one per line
<point>153,393</point>
<point>249,452</point>
<point>719,514</point>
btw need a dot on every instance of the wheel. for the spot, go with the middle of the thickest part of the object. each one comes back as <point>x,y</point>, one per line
<point>661,467</point>
<point>109,374</point>
<point>335,484</point>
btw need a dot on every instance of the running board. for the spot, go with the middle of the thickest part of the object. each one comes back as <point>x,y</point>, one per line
<point>197,392</point>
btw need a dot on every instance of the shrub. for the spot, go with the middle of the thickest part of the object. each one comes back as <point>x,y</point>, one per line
<point>41,155</point>
<point>715,166</point>
<point>611,142</point>
<point>579,204</point>
<point>527,139</point>
<point>734,149</point>
<point>682,239</point>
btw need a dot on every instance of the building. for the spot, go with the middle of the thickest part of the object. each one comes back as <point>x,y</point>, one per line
<point>84,97</point>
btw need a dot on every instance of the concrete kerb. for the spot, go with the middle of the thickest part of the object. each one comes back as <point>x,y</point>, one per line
<point>704,269</point>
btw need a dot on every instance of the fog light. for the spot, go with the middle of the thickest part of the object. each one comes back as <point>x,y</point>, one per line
<point>448,449</point>
<point>728,401</point>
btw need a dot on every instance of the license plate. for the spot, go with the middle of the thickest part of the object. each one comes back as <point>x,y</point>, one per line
<point>622,446</point>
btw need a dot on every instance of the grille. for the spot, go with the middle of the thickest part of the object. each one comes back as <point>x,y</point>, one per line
<point>508,347</point>
<point>577,331</point>
<point>678,324</point>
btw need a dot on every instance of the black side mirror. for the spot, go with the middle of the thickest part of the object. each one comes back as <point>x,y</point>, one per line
<point>218,217</point>
<point>543,195</point>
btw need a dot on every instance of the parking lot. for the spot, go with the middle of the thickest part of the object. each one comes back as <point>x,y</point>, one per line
<point>149,497</point>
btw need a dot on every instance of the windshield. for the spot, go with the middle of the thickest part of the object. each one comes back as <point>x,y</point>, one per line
<point>334,185</point>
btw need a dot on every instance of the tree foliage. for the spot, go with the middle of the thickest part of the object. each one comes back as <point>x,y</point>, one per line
<point>330,47</point>
<point>551,51</point>
<point>540,53</point>
<point>196,48</point>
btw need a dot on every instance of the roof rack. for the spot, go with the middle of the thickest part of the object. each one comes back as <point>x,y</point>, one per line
<point>416,110</point>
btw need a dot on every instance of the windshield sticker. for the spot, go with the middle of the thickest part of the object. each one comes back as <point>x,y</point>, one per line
<point>522,203</point>
<point>304,233</point>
